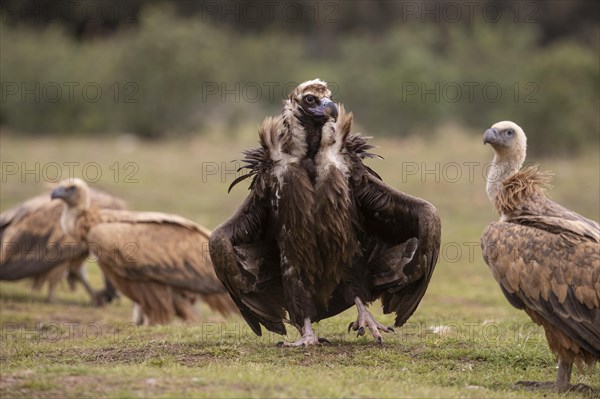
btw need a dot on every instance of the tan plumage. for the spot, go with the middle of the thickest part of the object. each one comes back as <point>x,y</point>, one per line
<point>34,245</point>
<point>545,257</point>
<point>159,261</point>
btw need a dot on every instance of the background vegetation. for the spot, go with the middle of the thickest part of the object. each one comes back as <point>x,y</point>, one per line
<point>402,66</point>
<point>183,87</point>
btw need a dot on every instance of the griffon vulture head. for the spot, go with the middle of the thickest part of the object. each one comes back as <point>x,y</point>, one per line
<point>510,148</point>
<point>508,140</point>
<point>74,192</point>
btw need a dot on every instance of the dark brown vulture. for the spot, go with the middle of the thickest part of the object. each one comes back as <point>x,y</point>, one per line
<point>33,245</point>
<point>545,257</point>
<point>157,260</point>
<point>320,231</point>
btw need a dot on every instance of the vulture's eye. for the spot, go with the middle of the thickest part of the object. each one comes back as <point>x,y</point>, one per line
<point>71,188</point>
<point>509,132</point>
<point>310,99</point>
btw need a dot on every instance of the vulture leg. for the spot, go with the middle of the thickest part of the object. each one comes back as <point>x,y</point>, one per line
<point>138,316</point>
<point>50,298</point>
<point>107,294</point>
<point>53,277</point>
<point>308,337</point>
<point>366,320</point>
<point>563,380</point>
<point>78,274</point>
<point>563,377</point>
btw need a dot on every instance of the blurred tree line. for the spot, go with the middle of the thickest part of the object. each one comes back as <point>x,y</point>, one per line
<point>159,68</point>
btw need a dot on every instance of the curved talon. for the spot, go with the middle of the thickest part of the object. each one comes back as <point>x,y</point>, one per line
<point>366,320</point>
<point>324,341</point>
<point>280,344</point>
<point>350,326</point>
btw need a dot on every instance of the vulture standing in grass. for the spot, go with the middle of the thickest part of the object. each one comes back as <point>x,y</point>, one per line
<point>159,261</point>
<point>545,257</point>
<point>33,245</point>
<point>320,231</point>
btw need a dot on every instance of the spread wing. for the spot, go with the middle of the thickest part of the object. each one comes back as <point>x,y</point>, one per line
<point>394,224</point>
<point>154,247</point>
<point>32,241</point>
<point>248,264</point>
<point>554,272</point>
<point>243,248</point>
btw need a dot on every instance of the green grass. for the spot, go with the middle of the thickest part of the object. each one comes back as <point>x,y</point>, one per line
<point>464,340</point>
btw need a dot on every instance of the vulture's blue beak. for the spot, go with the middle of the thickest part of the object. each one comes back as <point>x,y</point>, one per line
<point>490,136</point>
<point>325,108</point>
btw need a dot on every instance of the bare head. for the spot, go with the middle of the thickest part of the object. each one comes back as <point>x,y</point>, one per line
<point>74,192</point>
<point>510,148</point>
<point>508,141</point>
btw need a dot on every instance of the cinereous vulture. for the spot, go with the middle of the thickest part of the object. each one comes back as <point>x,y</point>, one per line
<point>320,231</point>
<point>157,260</point>
<point>545,257</point>
<point>33,245</point>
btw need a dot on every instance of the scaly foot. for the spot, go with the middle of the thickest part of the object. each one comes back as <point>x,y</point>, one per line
<point>366,320</point>
<point>308,337</point>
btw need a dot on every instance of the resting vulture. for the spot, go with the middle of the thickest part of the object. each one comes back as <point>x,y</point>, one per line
<point>320,231</point>
<point>157,260</point>
<point>545,257</point>
<point>34,245</point>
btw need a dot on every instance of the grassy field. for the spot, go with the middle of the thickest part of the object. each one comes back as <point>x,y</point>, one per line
<point>464,340</point>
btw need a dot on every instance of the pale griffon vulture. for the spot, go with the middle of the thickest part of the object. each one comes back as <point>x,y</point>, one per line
<point>157,260</point>
<point>33,245</point>
<point>545,257</point>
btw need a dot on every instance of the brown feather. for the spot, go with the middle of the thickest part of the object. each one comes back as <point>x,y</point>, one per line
<point>159,261</point>
<point>142,251</point>
<point>34,245</point>
<point>334,213</point>
<point>323,223</point>
<point>546,259</point>
<point>518,189</point>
